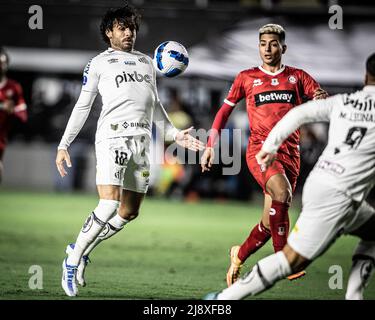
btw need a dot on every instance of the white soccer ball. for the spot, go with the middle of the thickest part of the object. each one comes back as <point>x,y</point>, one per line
<point>171,58</point>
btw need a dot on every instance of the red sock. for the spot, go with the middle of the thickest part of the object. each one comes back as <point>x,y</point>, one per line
<point>279,224</point>
<point>256,239</point>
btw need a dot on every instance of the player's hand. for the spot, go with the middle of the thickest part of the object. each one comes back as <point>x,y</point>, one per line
<point>265,159</point>
<point>8,106</point>
<point>207,159</point>
<point>184,139</point>
<point>62,155</point>
<point>320,94</point>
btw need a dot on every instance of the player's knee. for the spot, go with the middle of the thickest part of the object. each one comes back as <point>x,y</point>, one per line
<point>105,209</point>
<point>127,214</point>
<point>282,195</point>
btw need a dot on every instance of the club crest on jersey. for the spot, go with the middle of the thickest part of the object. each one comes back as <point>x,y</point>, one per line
<point>292,79</point>
<point>257,82</point>
<point>275,82</point>
<point>143,60</point>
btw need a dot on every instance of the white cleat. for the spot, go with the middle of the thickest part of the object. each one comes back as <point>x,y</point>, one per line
<point>81,267</point>
<point>68,280</point>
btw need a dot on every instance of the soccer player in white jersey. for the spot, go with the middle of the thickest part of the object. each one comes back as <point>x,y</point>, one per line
<point>334,193</point>
<point>126,81</point>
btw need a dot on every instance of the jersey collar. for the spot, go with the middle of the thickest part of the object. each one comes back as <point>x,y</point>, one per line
<point>111,50</point>
<point>369,88</point>
<point>272,73</point>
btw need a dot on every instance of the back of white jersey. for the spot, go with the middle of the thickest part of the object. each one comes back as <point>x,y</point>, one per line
<point>348,161</point>
<point>126,82</point>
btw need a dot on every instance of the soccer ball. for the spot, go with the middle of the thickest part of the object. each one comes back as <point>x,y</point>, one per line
<point>171,58</point>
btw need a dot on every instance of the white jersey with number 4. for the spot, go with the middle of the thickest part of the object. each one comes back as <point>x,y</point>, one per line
<point>126,82</point>
<point>348,161</point>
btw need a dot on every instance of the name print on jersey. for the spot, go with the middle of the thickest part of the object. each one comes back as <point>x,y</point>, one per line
<point>279,96</point>
<point>131,77</point>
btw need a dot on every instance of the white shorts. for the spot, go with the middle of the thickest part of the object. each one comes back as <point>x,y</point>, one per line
<point>327,213</point>
<point>124,161</point>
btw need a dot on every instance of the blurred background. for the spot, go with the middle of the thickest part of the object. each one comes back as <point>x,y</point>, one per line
<point>221,38</point>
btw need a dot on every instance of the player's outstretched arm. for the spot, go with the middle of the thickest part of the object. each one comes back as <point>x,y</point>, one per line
<point>61,157</point>
<point>313,111</point>
<point>207,159</point>
<point>184,139</point>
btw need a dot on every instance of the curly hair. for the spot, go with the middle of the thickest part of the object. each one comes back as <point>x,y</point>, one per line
<point>370,65</point>
<point>128,16</point>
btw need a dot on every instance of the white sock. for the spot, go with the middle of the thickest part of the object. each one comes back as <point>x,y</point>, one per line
<point>263,276</point>
<point>114,225</point>
<point>361,271</point>
<point>92,227</point>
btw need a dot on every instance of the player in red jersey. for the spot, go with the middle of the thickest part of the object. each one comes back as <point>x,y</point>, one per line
<point>12,104</point>
<point>270,90</point>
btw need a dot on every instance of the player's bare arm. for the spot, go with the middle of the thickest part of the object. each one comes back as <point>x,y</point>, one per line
<point>207,159</point>
<point>61,157</point>
<point>184,139</point>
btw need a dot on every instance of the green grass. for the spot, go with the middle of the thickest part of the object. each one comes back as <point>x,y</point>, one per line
<point>174,250</point>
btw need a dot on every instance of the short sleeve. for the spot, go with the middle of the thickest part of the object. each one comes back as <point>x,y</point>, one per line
<point>236,92</point>
<point>309,85</point>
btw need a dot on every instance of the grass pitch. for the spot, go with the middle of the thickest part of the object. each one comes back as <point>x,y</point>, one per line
<point>174,250</point>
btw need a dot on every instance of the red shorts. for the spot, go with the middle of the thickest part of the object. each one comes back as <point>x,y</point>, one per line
<point>284,164</point>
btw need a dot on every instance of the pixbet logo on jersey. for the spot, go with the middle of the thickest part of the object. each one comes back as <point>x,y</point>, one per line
<point>131,77</point>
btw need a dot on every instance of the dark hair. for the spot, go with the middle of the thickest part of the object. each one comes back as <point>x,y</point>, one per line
<point>128,16</point>
<point>370,65</point>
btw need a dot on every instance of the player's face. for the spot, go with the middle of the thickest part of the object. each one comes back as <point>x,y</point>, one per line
<point>122,37</point>
<point>270,49</point>
<point>3,64</point>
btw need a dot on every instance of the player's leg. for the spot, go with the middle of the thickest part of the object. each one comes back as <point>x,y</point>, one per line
<point>258,236</point>
<point>128,210</point>
<point>1,165</point>
<point>363,265</point>
<point>279,188</point>
<point>265,274</point>
<point>325,213</point>
<point>109,196</point>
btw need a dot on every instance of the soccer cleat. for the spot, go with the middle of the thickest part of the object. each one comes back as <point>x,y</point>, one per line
<point>235,266</point>
<point>68,280</point>
<point>81,267</point>
<point>211,296</point>
<point>297,275</point>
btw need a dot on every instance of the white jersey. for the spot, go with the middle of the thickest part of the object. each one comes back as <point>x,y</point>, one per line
<point>126,82</point>
<point>348,161</point>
